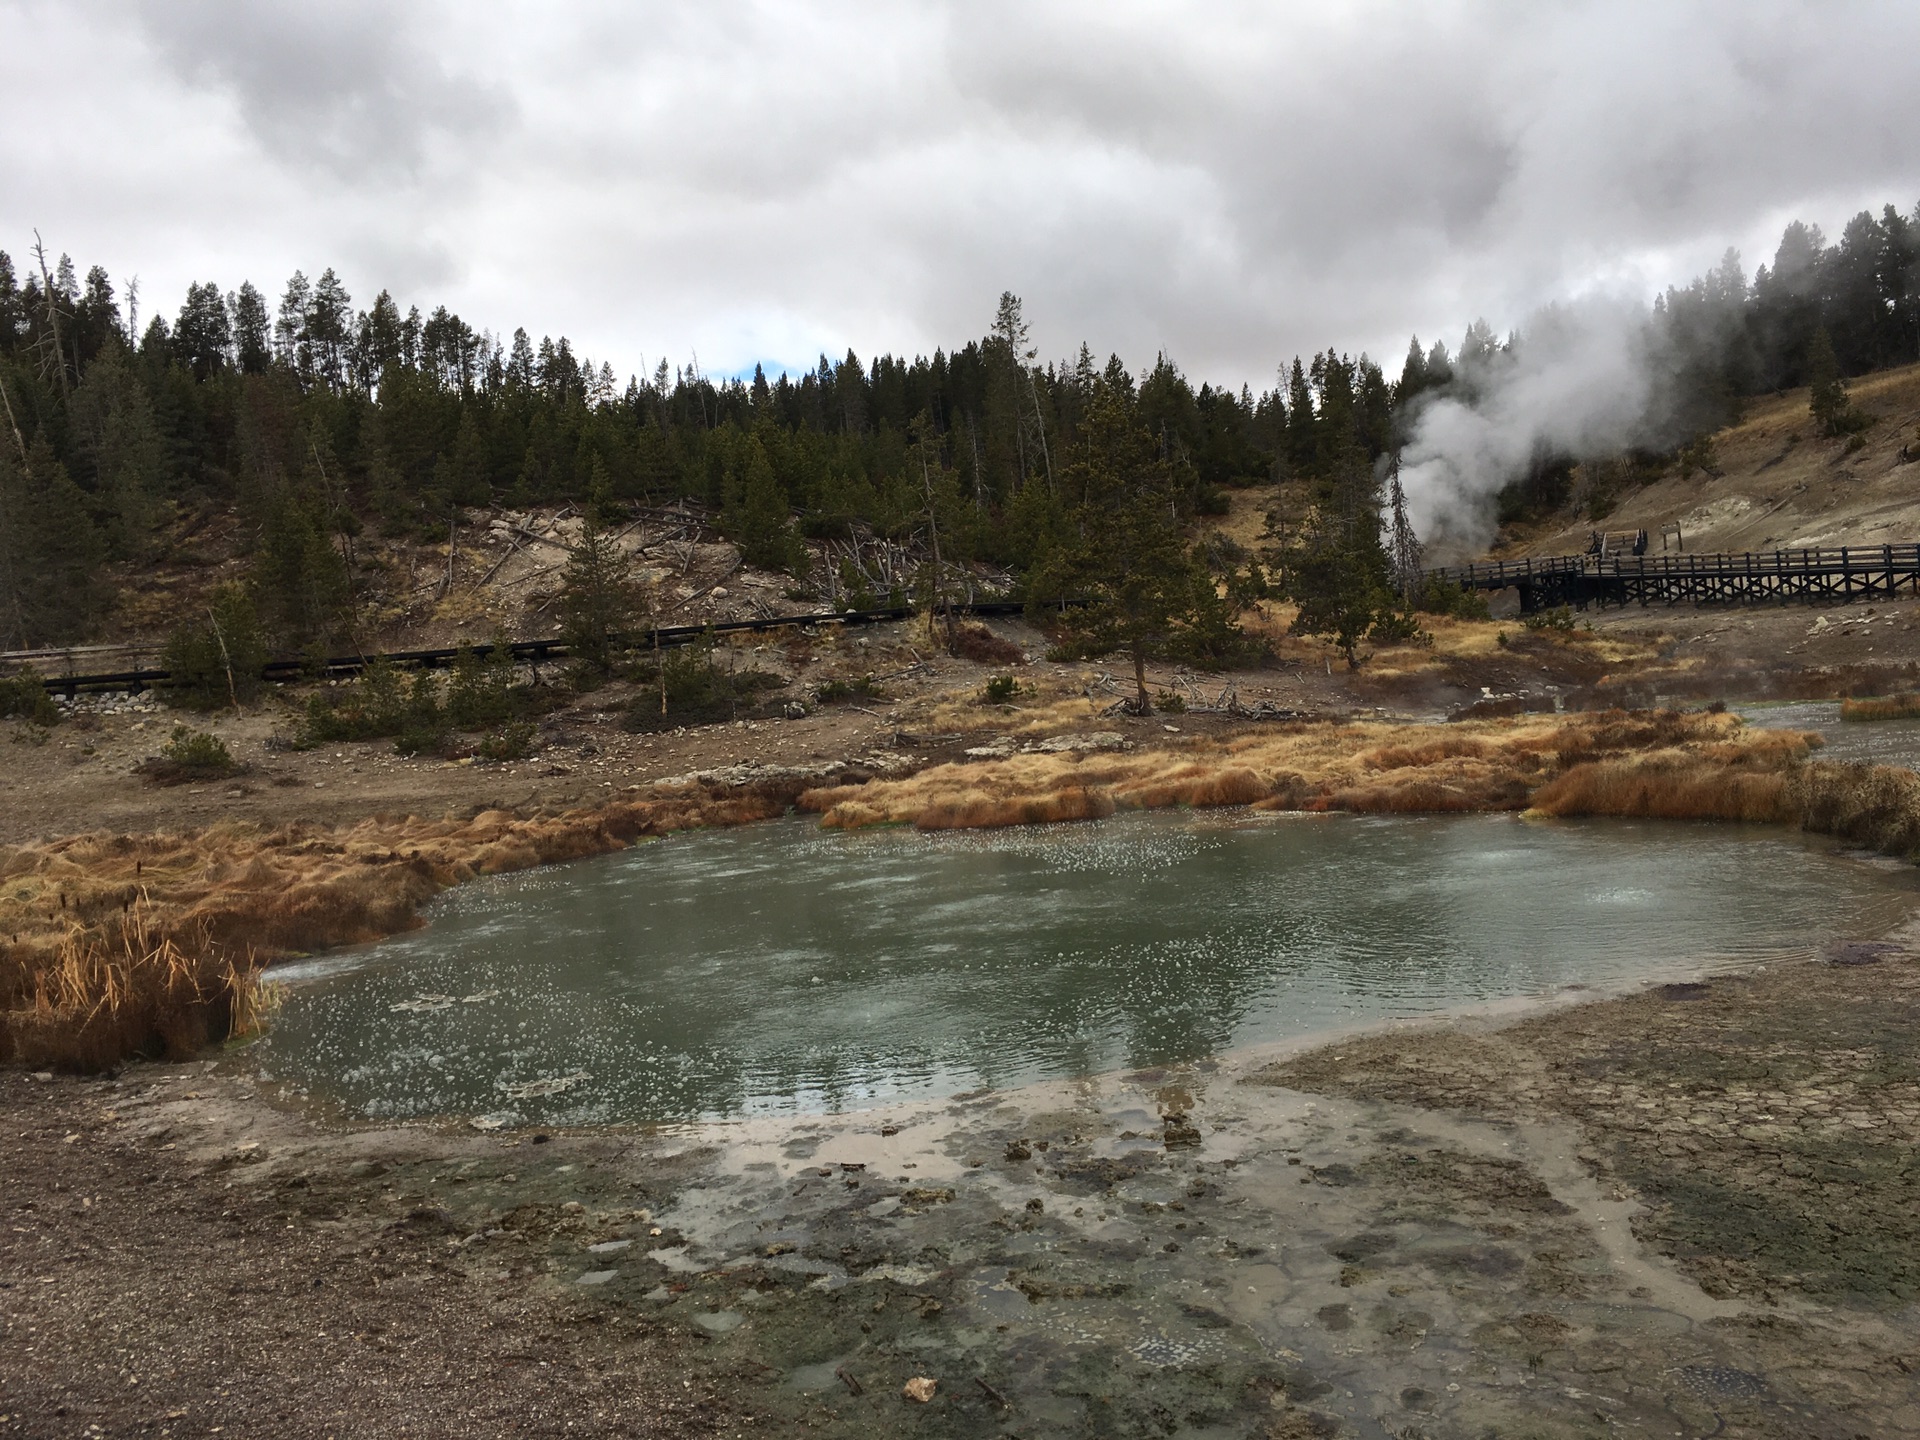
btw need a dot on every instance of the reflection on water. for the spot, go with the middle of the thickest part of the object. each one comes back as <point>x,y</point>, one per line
<point>783,968</point>
<point>1873,742</point>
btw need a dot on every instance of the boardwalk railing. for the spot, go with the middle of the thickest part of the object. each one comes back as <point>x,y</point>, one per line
<point>1820,576</point>
<point>532,652</point>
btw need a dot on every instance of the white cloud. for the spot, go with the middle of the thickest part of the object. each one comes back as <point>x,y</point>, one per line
<point>1232,183</point>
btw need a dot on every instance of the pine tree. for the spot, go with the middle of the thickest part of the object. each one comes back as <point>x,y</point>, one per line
<point>217,659</point>
<point>122,455</point>
<point>1139,587</point>
<point>51,590</point>
<point>757,517</point>
<point>1405,545</point>
<point>252,329</point>
<point>302,578</point>
<point>1333,565</point>
<point>598,597</point>
<point>1826,391</point>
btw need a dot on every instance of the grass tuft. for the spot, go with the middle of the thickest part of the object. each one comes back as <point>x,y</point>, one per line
<point>1886,707</point>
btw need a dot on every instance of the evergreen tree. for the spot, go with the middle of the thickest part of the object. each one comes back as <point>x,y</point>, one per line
<point>1826,391</point>
<point>1333,564</point>
<point>758,519</point>
<point>598,597</point>
<point>251,328</point>
<point>51,589</point>
<point>119,451</point>
<point>1140,588</point>
<point>203,335</point>
<point>217,659</point>
<point>302,578</point>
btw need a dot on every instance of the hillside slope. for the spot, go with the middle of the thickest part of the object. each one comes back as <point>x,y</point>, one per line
<point>1781,484</point>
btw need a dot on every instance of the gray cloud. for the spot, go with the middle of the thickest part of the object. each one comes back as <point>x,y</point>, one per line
<point>1229,182</point>
<point>356,86</point>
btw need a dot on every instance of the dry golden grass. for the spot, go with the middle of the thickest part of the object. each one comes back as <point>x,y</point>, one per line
<point>1057,706</point>
<point>124,945</point>
<point>1885,707</point>
<point>117,945</point>
<point>100,996</point>
<point>1374,767</point>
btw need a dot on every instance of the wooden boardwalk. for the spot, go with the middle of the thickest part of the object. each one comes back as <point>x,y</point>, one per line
<point>1839,575</point>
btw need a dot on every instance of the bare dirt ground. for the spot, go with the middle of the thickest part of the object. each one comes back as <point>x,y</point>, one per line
<point>1686,1212</point>
<point>1681,1213</point>
<point>80,776</point>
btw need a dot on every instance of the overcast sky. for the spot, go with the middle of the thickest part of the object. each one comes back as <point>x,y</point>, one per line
<point>1232,183</point>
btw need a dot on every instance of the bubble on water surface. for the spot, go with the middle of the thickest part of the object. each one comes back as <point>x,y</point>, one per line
<point>743,972</point>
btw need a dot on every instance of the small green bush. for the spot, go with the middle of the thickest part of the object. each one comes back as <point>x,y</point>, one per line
<point>480,693</point>
<point>197,750</point>
<point>424,728</point>
<point>1001,689</point>
<point>1170,702</point>
<point>837,691</point>
<point>696,690</point>
<point>374,705</point>
<point>1438,597</point>
<point>1397,627</point>
<point>187,756</point>
<point>513,741</point>
<point>1559,618</point>
<point>219,660</point>
<point>23,695</point>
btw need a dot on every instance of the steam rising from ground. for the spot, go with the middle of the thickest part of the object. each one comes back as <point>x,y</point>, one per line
<point>1577,381</point>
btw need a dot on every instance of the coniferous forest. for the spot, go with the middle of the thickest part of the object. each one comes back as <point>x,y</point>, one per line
<point>312,418</point>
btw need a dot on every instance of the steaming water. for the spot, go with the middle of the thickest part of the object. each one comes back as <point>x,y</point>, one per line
<point>784,968</point>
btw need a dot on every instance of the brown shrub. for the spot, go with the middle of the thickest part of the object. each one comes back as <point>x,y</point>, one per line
<point>1668,787</point>
<point>93,1000</point>
<point>987,812</point>
<point>1199,787</point>
<point>1877,806</point>
<point>1433,795</point>
<point>1450,746</point>
<point>1889,707</point>
<point>974,641</point>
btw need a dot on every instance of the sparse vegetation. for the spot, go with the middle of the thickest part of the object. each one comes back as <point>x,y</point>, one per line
<point>1558,619</point>
<point>1438,597</point>
<point>217,659</point>
<point>844,691</point>
<point>23,696</point>
<point>1001,689</point>
<point>187,756</point>
<point>384,701</point>
<point>1377,769</point>
<point>689,685</point>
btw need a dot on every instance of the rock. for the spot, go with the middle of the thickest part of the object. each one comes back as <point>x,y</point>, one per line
<point>719,1322</point>
<point>920,1389</point>
<point>596,1277</point>
<point>607,1247</point>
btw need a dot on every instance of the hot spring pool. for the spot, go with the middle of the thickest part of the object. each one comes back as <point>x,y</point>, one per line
<point>781,968</point>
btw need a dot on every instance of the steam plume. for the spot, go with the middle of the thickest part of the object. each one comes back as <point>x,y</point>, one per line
<point>1576,381</point>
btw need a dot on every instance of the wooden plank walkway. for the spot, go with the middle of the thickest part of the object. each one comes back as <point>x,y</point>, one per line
<point>1841,575</point>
